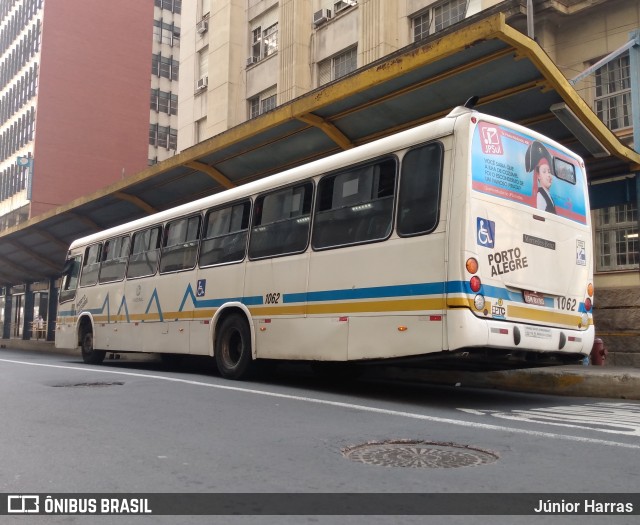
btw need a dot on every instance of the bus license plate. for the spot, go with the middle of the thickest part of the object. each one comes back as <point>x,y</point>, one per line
<point>533,298</point>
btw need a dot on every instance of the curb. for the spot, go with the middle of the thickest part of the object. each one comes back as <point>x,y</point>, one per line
<point>575,381</point>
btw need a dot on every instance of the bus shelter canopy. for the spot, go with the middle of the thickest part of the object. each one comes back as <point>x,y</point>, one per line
<point>482,56</point>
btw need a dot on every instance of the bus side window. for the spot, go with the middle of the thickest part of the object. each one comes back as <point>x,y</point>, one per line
<point>225,235</point>
<point>145,253</point>
<point>91,265</point>
<point>420,186</point>
<point>180,244</point>
<point>70,275</point>
<point>114,259</point>
<point>281,222</point>
<point>355,206</point>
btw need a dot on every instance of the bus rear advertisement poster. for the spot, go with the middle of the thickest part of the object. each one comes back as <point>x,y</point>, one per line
<point>504,164</point>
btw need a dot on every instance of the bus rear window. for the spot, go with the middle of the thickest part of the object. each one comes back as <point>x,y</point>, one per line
<point>564,170</point>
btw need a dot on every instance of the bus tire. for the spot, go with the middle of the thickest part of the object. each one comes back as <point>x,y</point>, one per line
<point>233,347</point>
<point>90,355</point>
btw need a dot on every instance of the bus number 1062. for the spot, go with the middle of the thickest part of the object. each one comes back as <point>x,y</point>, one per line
<point>566,303</point>
<point>272,298</point>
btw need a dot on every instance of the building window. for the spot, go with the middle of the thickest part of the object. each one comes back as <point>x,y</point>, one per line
<point>617,237</point>
<point>175,6</point>
<point>262,103</point>
<point>270,40</point>
<point>200,127</point>
<point>166,33</point>
<point>420,27</point>
<point>263,43</point>
<point>165,67</point>
<point>438,18</point>
<point>164,102</point>
<point>613,93</point>
<point>163,136</point>
<point>337,66</point>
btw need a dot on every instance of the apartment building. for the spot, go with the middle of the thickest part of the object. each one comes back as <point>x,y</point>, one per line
<point>241,58</point>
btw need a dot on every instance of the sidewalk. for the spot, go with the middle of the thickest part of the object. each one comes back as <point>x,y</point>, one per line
<point>575,381</point>
<point>571,380</point>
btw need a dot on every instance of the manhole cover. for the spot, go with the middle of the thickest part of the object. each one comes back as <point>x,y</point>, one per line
<point>90,384</point>
<point>419,454</point>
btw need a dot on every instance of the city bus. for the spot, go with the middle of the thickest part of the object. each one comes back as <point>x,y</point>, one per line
<point>465,240</point>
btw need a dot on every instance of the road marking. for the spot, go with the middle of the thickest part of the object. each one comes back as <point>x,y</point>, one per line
<point>362,408</point>
<point>612,418</point>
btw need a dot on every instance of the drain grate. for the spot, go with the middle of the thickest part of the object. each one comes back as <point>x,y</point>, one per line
<point>419,454</point>
<point>90,384</point>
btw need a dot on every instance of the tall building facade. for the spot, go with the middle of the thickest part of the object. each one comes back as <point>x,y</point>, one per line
<point>74,107</point>
<point>165,73</point>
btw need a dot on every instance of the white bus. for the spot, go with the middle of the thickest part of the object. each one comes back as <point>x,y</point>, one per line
<point>464,239</point>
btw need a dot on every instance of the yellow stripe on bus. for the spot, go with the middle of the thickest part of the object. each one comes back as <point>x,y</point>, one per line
<point>543,316</point>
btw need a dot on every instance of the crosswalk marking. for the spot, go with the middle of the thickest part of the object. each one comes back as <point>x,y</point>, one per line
<point>613,418</point>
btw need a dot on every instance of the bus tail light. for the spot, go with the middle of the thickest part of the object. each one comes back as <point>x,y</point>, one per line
<point>590,289</point>
<point>475,284</point>
<point>587,304</point>
<point>472,265</point>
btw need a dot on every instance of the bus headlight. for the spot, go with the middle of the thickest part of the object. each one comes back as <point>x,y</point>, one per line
<point>478,302</point>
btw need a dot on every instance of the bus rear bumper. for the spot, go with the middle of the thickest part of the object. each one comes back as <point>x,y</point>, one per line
<point>465,330</point>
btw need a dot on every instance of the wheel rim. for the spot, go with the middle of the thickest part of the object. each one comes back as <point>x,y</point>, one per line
<point>232,348</point>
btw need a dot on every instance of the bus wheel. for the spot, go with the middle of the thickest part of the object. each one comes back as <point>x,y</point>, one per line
<point>90,355</point>
<point>233,347</point>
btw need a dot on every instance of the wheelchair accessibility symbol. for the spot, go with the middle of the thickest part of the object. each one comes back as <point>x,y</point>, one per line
<point>201,288</point>
<point>485,232</point>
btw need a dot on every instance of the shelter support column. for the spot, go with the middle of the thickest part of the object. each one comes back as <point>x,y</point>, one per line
<point>6,325</point>
<point>52,312</point>
<point>27,320</point>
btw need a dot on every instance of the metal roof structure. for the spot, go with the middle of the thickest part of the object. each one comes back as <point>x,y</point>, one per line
<point>482,56</point>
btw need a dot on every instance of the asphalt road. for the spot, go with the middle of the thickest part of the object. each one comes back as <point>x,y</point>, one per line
<point>139,427</point>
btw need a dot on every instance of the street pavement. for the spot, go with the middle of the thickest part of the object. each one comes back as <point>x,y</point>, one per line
<point>576,381</point>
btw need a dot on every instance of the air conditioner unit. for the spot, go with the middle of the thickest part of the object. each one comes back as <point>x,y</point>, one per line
<point>320,17</point>
<point>202,26</point>
<point>342,5</point>
<point>252,60</point>
<point>202,83</point>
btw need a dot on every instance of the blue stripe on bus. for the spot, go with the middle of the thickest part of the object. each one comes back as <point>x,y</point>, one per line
<point>378,292</point>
